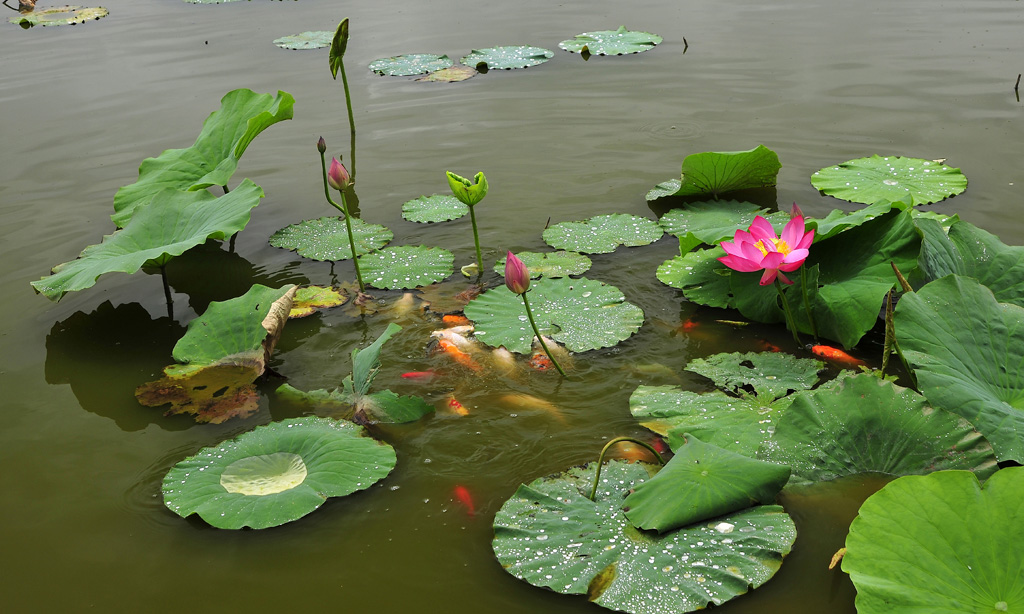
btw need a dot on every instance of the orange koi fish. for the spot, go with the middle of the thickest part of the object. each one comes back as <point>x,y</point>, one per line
<point>456,407</point>
<point>419,375</point>
<point>689,325</point>
<point>458,355</point>
<point>462,496</point>
<point>769,346</point>
<point>631,452</point>
<point>539,359</point>
<point>835,355</point>
<point>456,320</point>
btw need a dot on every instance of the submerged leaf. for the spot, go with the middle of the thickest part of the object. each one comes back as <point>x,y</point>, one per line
<point>508,57</point>
<point>410,64</point>
<point>452,74</point>
<point>603,233</point>
<point>611,42</point>
<point>868,180</point>
<point>326,238</point>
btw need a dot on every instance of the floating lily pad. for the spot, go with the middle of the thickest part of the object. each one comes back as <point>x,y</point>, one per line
<point>700,482</point>
<point>276,473</point>
<point>711,222</point>
<point>863,424</point>
<point>306,40</point>
<point>59,16</point>
<point>551,535</point>
<point>410,64</point>
<point>436,208</point>
<point>221,355</point>
<point>701,277</point>
<point>452,74</point>
<point>663,189</point>
<point>310,299</point>
<point>717,172</point>
<point>549,264</point>
<point>508,57</point>
<point>326,238</point>
<point>771,375</point>
<point>210,1</point>
<point>580,313</point>
<point>940,543</point>
<point>611,42</point>
<point>406,266</point>
<point>867,180</point>
<point>213,158</point>
<point>603,233</point>
<point>967,352</point>
<point>170,225</point>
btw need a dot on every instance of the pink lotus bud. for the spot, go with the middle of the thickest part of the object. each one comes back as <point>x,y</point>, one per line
<point>338,175</point>
<point>517,277</point>
<point>795,211</point>
<point>321,145</point>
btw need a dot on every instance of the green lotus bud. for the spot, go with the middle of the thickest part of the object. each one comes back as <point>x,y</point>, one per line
<point>469,193</point>
<point>321,145</point>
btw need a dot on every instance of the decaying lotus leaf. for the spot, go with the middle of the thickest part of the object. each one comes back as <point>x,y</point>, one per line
<point>452,74</point>
<point>57,15</point>
<point>213,393</point>
<point>312,298</point>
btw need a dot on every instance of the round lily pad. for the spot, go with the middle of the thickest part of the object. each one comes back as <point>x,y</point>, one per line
<point>869,180</point>
<point>603,233</point>
<point>306,40</point>
<point>583,314</point>
<point>276,473</point>
<point>59,16</point>
<point>410,64</point>
<point>549,264</point>
<point>551,535</point>
<point>436,208</point>
<point>508,57</point>
<point>326,238</point>
<point>611,42</point>
<point>666,188</point>
<point>406,266</point>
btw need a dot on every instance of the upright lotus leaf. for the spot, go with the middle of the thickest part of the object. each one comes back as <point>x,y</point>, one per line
<point>582,314</point>
<point>508,57</point>
<point>310,299</point>
<point>305,40</point>
<point>173,223</point>
<point>276,473</point>
<point>551,535</point>
<point>940,543</point>
<point>339,43</point>
<point>366,362</point>
<point>406,266</point>
<point>326,238</point>
<point>221,355</point>
<point>971,251</point>
<point>700,482</point>
<point>603,233</point>
<point>711,222</point>
<point>738,424</point>
<point>868,180</point>
<point>59,16</point>
<point>864,424</point>
<point>549,264</point>
<point>410,64</point>
<point>213,158</point>
<point>771,375</point>
<point>436,208</point>
<point>701,277</point>
<point>715,173</point>
<point>967,352</point>
<point>611,42</point>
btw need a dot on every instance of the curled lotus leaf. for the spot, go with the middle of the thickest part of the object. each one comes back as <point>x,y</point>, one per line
<point>892,178</point>
<point>305,40</point>
<point>276,473</point>
<point>406,266</point>
<point>549,264</point>
<point>508,57</point>
<point>611,42</point>
<point>435,208</point>
<point>59,16</point>
<point>603,233</point>
<point>326,238</point>
<point>410,64</point>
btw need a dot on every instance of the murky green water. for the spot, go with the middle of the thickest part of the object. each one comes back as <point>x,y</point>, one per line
<point>84,525</point>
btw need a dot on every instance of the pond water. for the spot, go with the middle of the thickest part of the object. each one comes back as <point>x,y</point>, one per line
<point>83,521</point>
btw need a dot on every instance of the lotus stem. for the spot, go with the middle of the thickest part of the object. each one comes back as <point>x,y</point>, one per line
<point>890,331</point>
<point>348,222</point>
<point>789,313</point>
<point>479,258</point>
<point>167,291</point>
<point>540,338</point>
<point>351,120</point>
<point>807,303</point>
<point>604,450</point>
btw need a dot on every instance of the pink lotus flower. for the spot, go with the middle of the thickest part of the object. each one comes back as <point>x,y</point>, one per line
<point>759,248</point>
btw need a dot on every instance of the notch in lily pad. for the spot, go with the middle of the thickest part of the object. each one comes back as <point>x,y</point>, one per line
<point>276,473</point>
<point>611,42</point>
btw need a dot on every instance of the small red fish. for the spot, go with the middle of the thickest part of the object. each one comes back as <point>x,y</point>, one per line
<point>836,355</point>
<point>462,496</point>
<point>456,407</point>
<point>419,375</point>
<point>689,325</point>
<point>456,320</point>
<point>768,346</point>
<point>659,444</point>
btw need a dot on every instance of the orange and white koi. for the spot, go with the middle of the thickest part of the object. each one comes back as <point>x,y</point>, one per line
<point>540,360</point>
<point>504,360</point>
<point>836,355</point>
<point>462,496</point>
<point>458,355</point>
<point>455,407</point>
<point>520,400</point>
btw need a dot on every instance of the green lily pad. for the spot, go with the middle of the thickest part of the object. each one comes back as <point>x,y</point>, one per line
<point>771,375</point>
<point>326,238</point>
<point>700,482</point>
<point>508,57</point>
<point>701,277</point>
<point>276,473</point>
<point>663,189</point>
<point>410,64</point>
<point>305,40</point>
<point>310,299</point>
<point>611,42</point>
<point>549,264</point>
<point>213,158</point>
<point>551,535</point>
<point>717,172</point>
<point>967,352</point>
<point>59,16</point>
<point>170,225</point>
<point>837,220</point>
<point>867,180</point>
<point>582,314</point>
<point>603,233</point>
<point>940,543</point>
<point>436,208</point>
<point>220,356</point>
<point>711,222</point>
<point>452,74</point>
<point>449,296</point>
<point>738,424</point>
<point>406,266</point>
<point>863,424</point>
